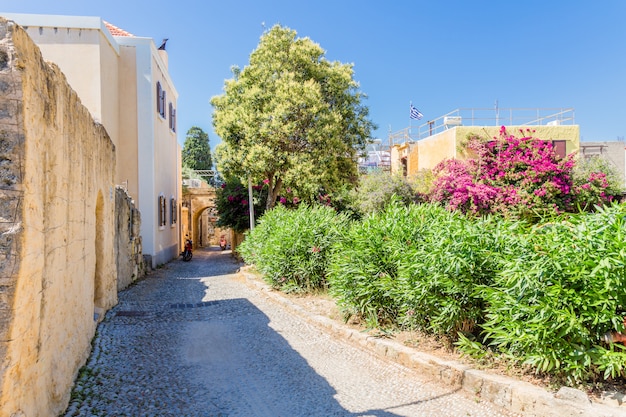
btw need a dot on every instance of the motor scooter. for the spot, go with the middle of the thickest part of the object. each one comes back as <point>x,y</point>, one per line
<point>223,243</point>
<point>187,253</point>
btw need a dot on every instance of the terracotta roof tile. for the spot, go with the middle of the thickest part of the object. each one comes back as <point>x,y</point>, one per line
<point>115,31</point>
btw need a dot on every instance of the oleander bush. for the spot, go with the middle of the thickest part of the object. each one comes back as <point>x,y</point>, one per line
<point>291,247</point>
<point>596,180</point>
<point>418,267</point>
<point>552,302</point>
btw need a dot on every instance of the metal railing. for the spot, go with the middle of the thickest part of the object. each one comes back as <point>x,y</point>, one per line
<point>210,176</point>
<point>485,117</point>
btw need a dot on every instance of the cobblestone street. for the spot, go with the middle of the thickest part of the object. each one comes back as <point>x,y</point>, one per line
<point>194,339</point>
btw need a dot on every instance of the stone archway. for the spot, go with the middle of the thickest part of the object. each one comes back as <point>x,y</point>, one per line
<point>199,215</point>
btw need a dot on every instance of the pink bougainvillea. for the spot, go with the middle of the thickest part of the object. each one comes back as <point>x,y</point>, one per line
<point>510,174</point>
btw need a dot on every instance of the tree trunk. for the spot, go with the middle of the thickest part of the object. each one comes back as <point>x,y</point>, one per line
<point>272,193</point>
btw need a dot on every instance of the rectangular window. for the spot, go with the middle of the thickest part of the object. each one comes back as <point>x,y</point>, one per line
<point>160,93</point>
<point>172,118</point>
<point>560,147</point>
<point>158,97</point>
<point>163,95</point>
<point>162,211</point>
<point>173,211</point>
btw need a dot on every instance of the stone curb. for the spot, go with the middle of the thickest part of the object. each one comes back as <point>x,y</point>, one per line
<point>508,393</point>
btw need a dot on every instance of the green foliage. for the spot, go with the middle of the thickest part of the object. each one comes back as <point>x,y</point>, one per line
<point>542,295</point>
<point>422,182</point>
<point>292,247</point>
<point>291,117</point>
<point>416,266</point>
<point>196,153</point>
<point>233,205</point>
<point>376,190</point>
<point>557,295</point>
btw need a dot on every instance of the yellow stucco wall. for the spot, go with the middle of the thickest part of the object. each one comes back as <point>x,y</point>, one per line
<point>435,149</point>
<point>569,133</point>
<point>63,230</point>
<point>428,152</point>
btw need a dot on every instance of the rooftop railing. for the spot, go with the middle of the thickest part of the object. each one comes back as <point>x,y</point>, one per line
<point>485,117</point>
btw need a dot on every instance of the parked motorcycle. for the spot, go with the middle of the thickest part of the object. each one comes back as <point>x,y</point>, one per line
<point>187,253</point>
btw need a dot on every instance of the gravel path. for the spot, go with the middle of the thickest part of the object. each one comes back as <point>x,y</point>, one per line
<point>194,339</point>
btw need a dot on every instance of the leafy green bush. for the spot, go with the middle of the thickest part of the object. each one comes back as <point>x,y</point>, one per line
<point>291,247</point>
<point>364,266</point>
<point>376,189</point>
<point>417,266</point>
<point>552,302</point>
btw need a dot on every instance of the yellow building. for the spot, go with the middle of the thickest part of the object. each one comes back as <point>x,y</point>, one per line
<point>423,147</point>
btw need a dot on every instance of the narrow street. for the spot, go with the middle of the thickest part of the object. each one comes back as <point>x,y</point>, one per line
<point>194,339</point>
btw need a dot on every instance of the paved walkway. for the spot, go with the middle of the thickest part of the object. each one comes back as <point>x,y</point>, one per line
<point>194,339</point>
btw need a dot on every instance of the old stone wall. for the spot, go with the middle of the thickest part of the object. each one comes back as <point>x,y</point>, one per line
<point>57,228</point>
<point>130,264</point>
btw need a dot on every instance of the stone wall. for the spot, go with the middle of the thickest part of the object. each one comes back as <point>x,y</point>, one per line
<point>57,228</point>
<point>130,263</point>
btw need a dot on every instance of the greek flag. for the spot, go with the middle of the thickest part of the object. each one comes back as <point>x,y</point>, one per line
<point>415,114</point>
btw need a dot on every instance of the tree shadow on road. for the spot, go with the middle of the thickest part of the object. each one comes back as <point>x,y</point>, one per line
<point>235,362</point>
<point>251,370</point>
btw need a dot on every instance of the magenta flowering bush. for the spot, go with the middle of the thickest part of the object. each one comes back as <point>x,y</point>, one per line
<point>233,205</point>
<point>521,176</point>
<point>233,202</point>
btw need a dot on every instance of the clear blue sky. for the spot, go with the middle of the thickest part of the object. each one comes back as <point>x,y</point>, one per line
<point>441,55</point>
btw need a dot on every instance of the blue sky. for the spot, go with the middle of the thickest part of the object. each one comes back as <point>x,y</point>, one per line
<point>440,55</point>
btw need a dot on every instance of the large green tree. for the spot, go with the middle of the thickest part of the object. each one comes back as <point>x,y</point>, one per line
<point>291,118</point>
<point>196,152</point>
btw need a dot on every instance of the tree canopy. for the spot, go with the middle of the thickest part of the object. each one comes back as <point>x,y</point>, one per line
<point>292,118</point>
<point>196,152</point>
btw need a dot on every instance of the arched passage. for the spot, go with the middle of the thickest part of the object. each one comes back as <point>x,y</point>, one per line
<point>201,216</point>
<point>206,231</point>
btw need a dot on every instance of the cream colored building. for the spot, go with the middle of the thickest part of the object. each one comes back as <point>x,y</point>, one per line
<point>124,82</point>
<point>423,147</point>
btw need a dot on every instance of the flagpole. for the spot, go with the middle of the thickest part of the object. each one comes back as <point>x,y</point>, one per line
<point>410,118</point>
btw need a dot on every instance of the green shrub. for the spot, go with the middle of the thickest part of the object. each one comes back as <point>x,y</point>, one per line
<point>552,302</point>
<point>291,247</point>
<point>364,266</point>
<point>376,190</point>
<point>418,267</point>
<point>440,274</point>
